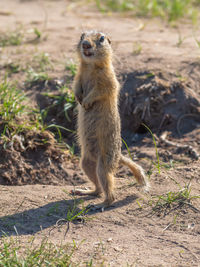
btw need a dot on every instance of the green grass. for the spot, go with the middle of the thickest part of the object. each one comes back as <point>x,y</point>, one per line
<point>12,67</point>
<point>41,62</point>
<point>170,10</point>
<point>19,36</point>
<point>11,101</point>
<point>65,98</point>
<point>17,119</point>
<point>12,253</point>
<point>14,114</point>
<point>173,200</point>
<point>154,141</point>
<point>37,69</point>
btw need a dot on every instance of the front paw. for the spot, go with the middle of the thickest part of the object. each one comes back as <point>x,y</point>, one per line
<point>79,98</point>
<point>86,104</point>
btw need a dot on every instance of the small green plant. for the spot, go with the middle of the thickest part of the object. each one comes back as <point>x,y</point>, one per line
<point>72,67</point>
<point>12,67</point>
<point>137,48</point>
<point>41,62</point>
<point>66,99</point>
<point>180,40</point>
<point>74,212</point>
<point>37,33</point>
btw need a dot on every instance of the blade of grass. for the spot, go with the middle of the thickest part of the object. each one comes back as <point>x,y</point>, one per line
<point>154,141</point>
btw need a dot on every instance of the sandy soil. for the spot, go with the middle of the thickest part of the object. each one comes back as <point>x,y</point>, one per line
<point>34,188</point>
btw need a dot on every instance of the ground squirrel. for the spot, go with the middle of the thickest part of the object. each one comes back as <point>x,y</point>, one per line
<point>99,130</point>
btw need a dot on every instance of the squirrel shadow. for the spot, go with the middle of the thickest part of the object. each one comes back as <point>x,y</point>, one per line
<point>35,220</point>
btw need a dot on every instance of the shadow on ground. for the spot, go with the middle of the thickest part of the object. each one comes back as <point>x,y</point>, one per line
<point>35,220</point>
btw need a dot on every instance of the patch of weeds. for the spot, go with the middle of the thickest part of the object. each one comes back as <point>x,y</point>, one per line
<point>33,77</point>
<point>63,104</point>
<point>75,213</point>
<point>11,101</point>
<point>41,62</point>
<point>11,38</point>
<point>12,67</point>
<point>12,253</point>
<point>170,201</point>
<point>16,119</point>
<point>19,36</point>
<point>37,69</point>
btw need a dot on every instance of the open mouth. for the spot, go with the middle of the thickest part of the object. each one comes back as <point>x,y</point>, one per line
<point>87,53</point>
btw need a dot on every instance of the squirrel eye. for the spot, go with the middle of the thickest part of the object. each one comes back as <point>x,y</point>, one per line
<point>101,39</point>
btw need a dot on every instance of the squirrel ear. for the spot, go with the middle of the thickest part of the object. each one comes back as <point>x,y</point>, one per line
<point>109,40</point>
<point>82,36</point>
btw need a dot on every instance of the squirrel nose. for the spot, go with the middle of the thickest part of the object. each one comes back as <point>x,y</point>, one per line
<point>86,45</point>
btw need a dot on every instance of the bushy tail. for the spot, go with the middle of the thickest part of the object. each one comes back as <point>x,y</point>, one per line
<point>137,172</point>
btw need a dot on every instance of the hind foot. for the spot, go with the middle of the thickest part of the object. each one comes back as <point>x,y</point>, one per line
<point>99,207</point>
<point>83,192</point>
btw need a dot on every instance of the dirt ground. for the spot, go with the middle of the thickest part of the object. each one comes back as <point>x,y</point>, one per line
<point>158,67</point>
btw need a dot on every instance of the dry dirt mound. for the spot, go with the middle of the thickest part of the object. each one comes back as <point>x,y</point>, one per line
<point>159,103</point>
<point>146,98</point>
<point>36,159</point>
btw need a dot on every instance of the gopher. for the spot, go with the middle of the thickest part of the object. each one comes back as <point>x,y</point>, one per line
<point>96,90</point>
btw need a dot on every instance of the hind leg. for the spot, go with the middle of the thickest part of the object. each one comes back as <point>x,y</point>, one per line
<point>89,167</point>
<point>106,179</point>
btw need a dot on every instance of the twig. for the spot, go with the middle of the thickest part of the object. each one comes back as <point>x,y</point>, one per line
<point>187,148</point>
<point>192,207</point>
<point>165,117</point>
<point>20,205</point>
<point>59,223</point>
<point>167,227</point>
<point>177,244</point>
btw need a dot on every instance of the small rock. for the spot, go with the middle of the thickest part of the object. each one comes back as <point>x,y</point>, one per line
<point>117,249</point>
<point>191,225</point>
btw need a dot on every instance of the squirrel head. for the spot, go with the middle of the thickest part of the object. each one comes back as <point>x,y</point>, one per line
<point>94,47</point>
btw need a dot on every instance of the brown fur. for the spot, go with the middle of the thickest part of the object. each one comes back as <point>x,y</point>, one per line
<point>99,131</point>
